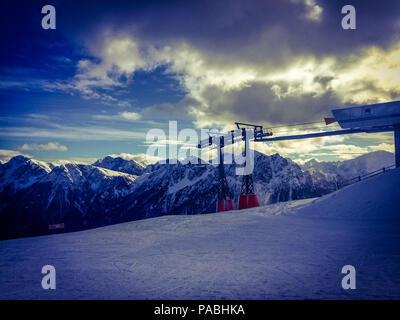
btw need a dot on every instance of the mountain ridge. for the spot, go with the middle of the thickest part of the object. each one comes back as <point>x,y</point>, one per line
<point>85,196</point>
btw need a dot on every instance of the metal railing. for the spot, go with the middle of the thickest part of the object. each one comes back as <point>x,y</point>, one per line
<point>364,176</point>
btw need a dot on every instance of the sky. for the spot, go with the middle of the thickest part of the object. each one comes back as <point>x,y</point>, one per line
<point>113,70</point>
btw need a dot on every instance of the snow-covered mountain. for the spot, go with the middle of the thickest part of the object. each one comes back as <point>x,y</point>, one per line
<point>366,163</point>
<point>35,194</point>
<point>193,188</point>
<point>77,195</point>
<point>121,165</point>
<point>21,172</point>
<point>343,170</point>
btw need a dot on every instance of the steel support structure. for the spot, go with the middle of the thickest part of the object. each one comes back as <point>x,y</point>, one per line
<point>223,192</point>
<point>397,145</point>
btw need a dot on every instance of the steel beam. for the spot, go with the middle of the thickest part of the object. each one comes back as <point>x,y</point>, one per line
<point>324,134</point>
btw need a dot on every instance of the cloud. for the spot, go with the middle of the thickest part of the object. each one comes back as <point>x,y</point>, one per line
<point>220,92</point>
<point>267,62</point>
<point>116,59</point>
<point>44,147</point>
<point>185,109</point>
<point>130,115</point>
<point>76,132</point>
<point>75,160</point>
<point>313,11</point>
<point>246,37</point>
<point>162,142</point>
<point>6,155</point>
<point>327,148</point>
<point>268,58</point>
<point>345,151</point>
<point>118,56</point>
<point>292,148</point>
<point>140,158</point>
<point>124,116</point>
<point>383,146</point>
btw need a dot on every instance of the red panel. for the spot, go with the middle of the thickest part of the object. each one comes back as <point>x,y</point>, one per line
<point>230,205</point>
<point>242,201</point>
<point>225,205</point>
<point>252,201</point>
<point>329,120</point>
<point>56,226</point>
<point>248,201</point>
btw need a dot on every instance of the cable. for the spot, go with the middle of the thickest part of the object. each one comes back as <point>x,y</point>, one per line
<point>296,124</point>
<point>304,129</point>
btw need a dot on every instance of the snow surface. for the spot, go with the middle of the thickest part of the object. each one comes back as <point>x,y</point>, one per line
<point>290,250</point>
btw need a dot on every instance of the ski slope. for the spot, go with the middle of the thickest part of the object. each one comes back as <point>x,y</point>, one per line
<point>291,250</point>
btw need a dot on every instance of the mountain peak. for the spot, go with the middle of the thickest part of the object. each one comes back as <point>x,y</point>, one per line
<point>120,164</point>
<point>21,172</point>
<point>19,159</point>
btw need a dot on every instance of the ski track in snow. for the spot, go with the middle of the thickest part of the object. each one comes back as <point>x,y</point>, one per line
<point>290,250</point>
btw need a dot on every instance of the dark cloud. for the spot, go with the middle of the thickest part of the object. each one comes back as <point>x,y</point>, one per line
<point>258,102</point>
<point>257,31</point>
<point>324,81</point>
<point>183,110</point>
<point>251,31</point>
<point>262,34</point>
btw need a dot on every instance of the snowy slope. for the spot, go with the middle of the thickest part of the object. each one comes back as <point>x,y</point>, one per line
<point>291,250</point>
<point>360,202</point>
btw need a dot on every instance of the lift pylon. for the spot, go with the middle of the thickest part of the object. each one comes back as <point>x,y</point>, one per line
<point>224,200</point>
<point>247,198</point>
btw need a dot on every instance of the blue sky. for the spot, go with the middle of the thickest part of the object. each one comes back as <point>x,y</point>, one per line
<point>112,70</point>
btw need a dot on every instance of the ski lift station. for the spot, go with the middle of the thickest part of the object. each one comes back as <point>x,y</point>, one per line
<point>381,117</point>
<point>370,116</point>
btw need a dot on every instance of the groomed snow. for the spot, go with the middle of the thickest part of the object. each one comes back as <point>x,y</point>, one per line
<point>292,250</point>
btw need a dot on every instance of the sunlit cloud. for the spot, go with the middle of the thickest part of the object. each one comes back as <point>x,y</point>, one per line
<point>140,158</point>
<point>44,147</point>
<point>75,160</point>
<point>127,116</point>
<point>130,115</point>
<point>6,155</point>
<point>313,11</point>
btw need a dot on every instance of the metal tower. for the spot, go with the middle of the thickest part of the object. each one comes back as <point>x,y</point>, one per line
<point>223,192</point>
